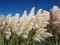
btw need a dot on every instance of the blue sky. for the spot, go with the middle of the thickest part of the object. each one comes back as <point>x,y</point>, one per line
<point>18,6</point>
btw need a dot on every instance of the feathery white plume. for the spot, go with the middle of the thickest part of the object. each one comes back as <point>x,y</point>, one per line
<point>55,19</point>
<point>54,9</point>
<point>32,11</point>
<point>40,23</point>
<point>22,23</point>
<point>2,22</point>
<point>8,19</point>
<point>29,24</point>
<point>14,22</point>
<point>7,32</point>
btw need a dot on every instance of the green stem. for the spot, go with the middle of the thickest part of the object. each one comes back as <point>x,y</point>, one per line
<point>1,37</point>
<point>56,38</point>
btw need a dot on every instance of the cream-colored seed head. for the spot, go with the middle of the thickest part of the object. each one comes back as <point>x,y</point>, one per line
<point>55,17</point>
<point>29,23</point>
<point>2,22</point>
<point>14,22</point>
<point>7,32</point>
<point>54,9</point>
<point>41,21</point>
<point>8,19</point>
<point>22,23</point>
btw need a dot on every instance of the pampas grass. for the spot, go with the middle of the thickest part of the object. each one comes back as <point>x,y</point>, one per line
<point>42,28</point>
<point>54,24</point>
<point>2,25</point>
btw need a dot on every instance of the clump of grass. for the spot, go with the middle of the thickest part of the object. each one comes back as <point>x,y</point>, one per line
<point>42,28</point>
